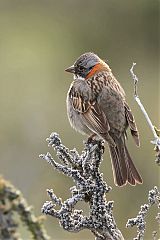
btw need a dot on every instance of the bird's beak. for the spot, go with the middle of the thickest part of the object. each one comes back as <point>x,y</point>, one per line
<point>71,69</point>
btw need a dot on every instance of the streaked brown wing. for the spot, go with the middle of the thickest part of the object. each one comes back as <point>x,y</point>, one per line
<point>132,124</point>
<point>94,117</point>
<point>96,120</point>
<point>91,114</point>
<point>79,100</point>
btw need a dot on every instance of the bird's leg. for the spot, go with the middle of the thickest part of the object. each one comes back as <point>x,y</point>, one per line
<point>101,145</point>
<point>91,138</point>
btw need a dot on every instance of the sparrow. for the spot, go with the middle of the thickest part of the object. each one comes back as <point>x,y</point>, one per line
<point>96,106</point>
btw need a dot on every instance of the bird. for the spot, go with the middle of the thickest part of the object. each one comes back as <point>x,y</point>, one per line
<point>96,106</point>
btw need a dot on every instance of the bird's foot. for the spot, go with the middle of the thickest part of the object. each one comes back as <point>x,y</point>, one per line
<point>91,139</point>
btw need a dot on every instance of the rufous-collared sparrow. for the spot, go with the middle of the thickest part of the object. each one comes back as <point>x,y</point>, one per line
<point>96,105</point>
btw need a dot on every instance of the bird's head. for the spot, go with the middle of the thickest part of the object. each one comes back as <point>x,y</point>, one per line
<point>86,66</point>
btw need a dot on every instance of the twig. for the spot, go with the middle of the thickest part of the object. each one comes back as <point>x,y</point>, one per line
<point>89,187</point>
<point>139,221</point>
<point>154,195</point>
<point>156,140</point>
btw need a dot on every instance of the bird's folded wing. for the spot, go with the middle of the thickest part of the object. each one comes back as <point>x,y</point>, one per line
<point>96,120</point>
<point>132,124</point>
<point>93,116</point>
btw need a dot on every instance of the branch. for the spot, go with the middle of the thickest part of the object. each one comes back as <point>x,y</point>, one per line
<point>154,194</point>
<point>89,187</point>
<point>156,140</point>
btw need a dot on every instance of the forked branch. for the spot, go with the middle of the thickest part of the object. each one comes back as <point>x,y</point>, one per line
<point>89,187</point>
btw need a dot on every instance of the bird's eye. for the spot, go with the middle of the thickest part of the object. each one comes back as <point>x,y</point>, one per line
<point>81,68</point>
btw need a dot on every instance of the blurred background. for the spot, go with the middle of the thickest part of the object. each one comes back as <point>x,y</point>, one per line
<point>38,40</point>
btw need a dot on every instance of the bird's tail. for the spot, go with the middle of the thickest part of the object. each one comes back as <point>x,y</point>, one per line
<point>123,167</point>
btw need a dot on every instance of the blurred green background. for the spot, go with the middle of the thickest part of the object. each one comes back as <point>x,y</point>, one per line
<point>38,40</point>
